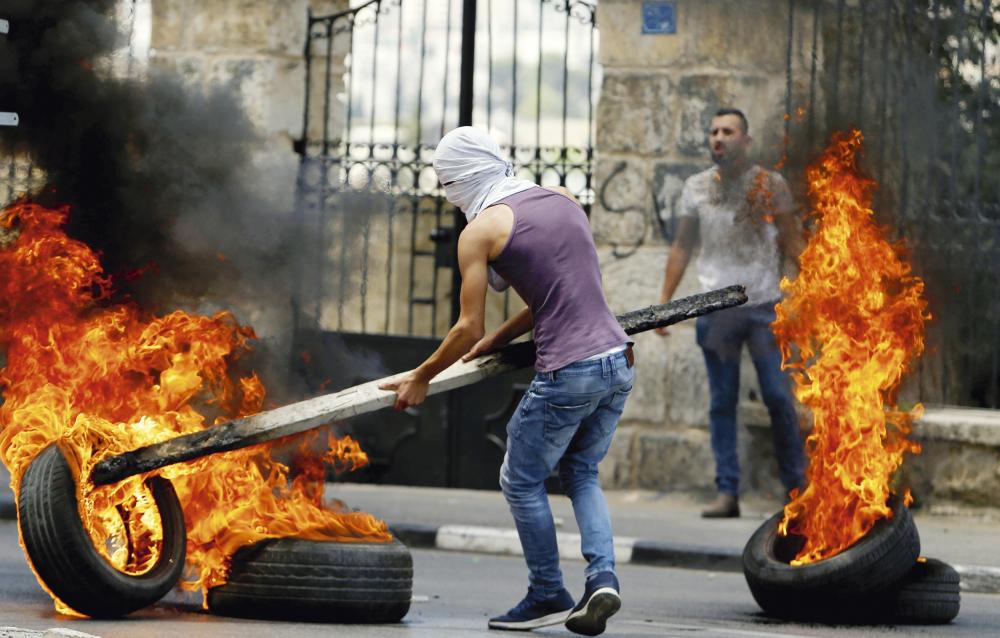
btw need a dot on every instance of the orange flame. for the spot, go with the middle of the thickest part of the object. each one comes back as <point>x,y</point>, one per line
<point>100,378</point>
<point>851,323</point>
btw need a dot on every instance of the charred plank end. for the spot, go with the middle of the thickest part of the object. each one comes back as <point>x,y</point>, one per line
<point>311,413</point>
<point>681,309</point>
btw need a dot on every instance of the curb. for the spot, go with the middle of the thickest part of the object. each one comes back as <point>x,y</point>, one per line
<point>56,632</point>
<point>976,579</point>
<point>504,541</point>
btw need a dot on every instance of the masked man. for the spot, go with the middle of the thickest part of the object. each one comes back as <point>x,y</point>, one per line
<point>539,241</point>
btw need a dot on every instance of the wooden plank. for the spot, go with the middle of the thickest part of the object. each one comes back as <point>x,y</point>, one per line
<point>367,397</point>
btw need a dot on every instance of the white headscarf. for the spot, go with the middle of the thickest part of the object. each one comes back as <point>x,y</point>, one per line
<point>475,175</point>
<point>473,172</point>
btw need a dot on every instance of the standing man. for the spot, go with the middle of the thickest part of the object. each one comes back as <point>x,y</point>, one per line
<point>743,216</point>
<point>539,240</point>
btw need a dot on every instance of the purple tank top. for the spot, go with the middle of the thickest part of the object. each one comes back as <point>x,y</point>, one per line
<point>551,261</point>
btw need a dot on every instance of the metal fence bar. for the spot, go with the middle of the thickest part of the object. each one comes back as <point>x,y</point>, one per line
<point>813,63</point>
<point>447,68</point>
<point>328,77</point>
<point>565,94</point>
<point>538,86</point>
<point>884,88</point>
<point>513,99</point>
<point>954,146</point>
<point>489,65</point>
<point>984,24</point>
<point>590,112</point>
<point>418,150</point>
<point>788,73</point>
<point>837,59</point>
<point>394,171</point>
<point>862,41</point>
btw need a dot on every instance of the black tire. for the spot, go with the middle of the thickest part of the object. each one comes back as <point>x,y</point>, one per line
<point>837,589</point>
<point>320,581</point>
<point>63,554</point>
<point>928,595</point>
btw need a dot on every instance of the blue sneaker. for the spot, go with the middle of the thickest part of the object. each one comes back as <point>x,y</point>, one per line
<point>533,612</point>
<point>600,601</point>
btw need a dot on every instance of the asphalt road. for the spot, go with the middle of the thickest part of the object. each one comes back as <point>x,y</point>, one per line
<point>455,593</point>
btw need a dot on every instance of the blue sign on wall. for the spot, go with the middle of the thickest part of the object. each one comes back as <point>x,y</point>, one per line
<point>659,16</point>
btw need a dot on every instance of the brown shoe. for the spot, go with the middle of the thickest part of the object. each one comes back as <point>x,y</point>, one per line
<point>724,506</point>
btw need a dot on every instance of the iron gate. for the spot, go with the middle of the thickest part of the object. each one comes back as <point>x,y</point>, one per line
<point>385,80</point>
<point>922,81</point>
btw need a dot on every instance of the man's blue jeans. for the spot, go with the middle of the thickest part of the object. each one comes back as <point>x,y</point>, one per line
<point>721,336</point>
<point>566,418</point>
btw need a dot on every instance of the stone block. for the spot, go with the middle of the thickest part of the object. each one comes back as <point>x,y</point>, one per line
<point>244,26</point>
<point>978,427</point>
<point>750,35</point>
<point>663,367</point>
<point>668,182</point>
<point>622,40</point>
<point>702,94</point>
<point>621,214</point>
<point>170,29</point>
<point>270,88</point>
<point>759,472</point>
<point>635,113</point>
<point>675,460</point>
<point>950,471</point>
<point>190,68</point>
<point>634,281</point>
<point>959,464</point>
<point>617,469</point>
<point>687,391</point>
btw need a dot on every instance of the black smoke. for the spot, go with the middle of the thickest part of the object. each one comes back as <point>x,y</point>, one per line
<point>160,177</point>
<point>165,182</point>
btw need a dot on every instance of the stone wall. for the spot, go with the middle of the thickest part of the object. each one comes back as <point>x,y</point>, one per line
<point>255,50</point>
<point>658,96</point>
<point>252,47</point>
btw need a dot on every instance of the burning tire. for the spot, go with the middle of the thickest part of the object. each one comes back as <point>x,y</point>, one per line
<point>928,595</point>
<point>63,554</point>
<point>296,579</point>
<point>841,588</point>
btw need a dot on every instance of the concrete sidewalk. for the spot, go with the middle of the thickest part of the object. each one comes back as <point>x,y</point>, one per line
<point>650,528</point>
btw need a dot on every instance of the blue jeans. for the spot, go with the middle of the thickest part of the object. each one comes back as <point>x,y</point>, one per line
<point>566,418</point>
<point>721,336</point>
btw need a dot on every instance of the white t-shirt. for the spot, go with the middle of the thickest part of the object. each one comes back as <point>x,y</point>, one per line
<point>739,240</point>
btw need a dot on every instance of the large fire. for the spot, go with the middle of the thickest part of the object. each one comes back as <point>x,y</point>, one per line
<point>101,378</point>
<point>850,325</point>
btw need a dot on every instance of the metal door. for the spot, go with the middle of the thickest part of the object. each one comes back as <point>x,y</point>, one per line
<point>384,81</point>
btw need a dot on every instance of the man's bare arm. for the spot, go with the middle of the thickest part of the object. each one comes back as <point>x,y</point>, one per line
<point>791,241</point>
<point>511,329</point>
<point>473,250</point>
<point>679,256</point>
<point>677,260</point>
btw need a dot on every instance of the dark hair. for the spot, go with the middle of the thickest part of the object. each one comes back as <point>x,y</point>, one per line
<point>738,113</point>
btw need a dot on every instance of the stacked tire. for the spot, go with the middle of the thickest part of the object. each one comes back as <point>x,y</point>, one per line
<point>319,581</point>
<point>286,578</point>
<point>63,554</point>
<point>879,579</point>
